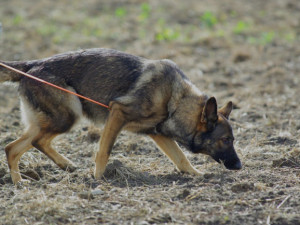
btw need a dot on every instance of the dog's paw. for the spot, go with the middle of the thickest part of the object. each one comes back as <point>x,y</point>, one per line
<point>22,183</point>
<point>194,172</point>
<point>71,168</point>
<point>191,171</point>
<point>98,174</point>
<point>15,177</point>
<point>197,173</point>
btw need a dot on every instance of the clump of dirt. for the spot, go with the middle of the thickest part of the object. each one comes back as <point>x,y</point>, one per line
<point>275,141</point>
<point>241,56</point>
<point>291,159</point>
<point>242,187</point>
<point>161,219</point>
<point>3,172</point>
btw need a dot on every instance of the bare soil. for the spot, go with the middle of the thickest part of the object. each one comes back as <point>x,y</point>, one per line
<point>239,50</point>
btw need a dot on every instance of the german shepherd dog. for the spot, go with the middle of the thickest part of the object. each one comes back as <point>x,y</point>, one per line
<point>151,97</point>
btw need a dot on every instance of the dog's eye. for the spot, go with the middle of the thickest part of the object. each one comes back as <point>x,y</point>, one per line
<point>227,140</point>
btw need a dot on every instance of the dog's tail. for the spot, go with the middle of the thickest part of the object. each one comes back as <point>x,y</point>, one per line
<point>9,75</point>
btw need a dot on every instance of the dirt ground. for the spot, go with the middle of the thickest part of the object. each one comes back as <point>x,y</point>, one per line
<point>239,50</point>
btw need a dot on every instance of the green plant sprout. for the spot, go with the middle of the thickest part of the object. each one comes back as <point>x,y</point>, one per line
<point>17,20</point>
<point>120,12</point>
<point>146,10</point>
<point>264,38</point>
<point>267,37</point>
<point>208,19</point>
<point>240,27</point>
<point>166,33</point>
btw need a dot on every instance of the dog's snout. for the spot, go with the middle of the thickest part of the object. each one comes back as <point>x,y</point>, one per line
<point>233,164</point>
<point>236,166</point>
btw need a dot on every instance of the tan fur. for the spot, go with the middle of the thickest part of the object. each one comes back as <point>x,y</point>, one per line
<point>112,128</point>
<point>175,154</point>
<point>16,149</point>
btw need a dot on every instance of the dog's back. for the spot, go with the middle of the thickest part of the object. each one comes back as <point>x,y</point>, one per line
<point>99,74</point>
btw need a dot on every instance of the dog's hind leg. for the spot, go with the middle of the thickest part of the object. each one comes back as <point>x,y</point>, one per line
<point>47,113</point>
<point>173,151</point>
<point>43,143</point>
<point>113,126</point>
<point>16,149</point>
<point>40,139</point>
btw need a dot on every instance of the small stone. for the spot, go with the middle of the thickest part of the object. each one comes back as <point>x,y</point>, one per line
<point>208,175</point>
<point>97,192</point>
<point>184,194</point>
<point>86,195</point>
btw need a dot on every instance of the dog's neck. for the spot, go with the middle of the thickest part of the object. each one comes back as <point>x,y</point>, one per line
<point>184,110</point>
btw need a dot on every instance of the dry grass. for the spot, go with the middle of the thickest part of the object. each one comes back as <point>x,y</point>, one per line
<point>261,76</point>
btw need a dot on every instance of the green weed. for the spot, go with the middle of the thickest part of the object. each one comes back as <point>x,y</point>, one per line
<point>209,20</point>
<point>233,13</point>
<point>220,33</point>
<point>145,12</point>
<point>226,218</point>
<point>47,29</point>
<point>120,12</point>
<point>240,27</point>
<point>264,38</point>
<point>267,37</point>
<point>17,20</point>
<point>290,37</point>
<point>165,33</point>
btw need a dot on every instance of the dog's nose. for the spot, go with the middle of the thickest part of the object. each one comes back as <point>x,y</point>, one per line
<point>233,165</point>
<point>237,166</point>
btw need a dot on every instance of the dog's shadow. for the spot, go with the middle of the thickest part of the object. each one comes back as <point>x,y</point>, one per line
<point>119,175</point>
<point>116,174</point>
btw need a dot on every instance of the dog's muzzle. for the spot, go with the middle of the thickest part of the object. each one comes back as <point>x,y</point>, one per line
<point>230,161</point>
<point>233,165</point>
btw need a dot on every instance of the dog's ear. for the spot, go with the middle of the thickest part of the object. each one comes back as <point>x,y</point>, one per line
<point>209,114</point>
<point>226,110</point>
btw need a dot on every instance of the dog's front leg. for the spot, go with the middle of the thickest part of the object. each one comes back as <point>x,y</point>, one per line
<point>113,126</point>
<point>173,151</point>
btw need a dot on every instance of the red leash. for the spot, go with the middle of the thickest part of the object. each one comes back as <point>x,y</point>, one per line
<point>53,85</point>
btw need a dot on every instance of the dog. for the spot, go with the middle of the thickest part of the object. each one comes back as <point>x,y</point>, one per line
<point>151,97</point>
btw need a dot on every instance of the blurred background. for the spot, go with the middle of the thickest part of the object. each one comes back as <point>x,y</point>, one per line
<point>34,29</point>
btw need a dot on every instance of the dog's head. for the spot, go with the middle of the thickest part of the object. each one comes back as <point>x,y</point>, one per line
<point>214,135</point>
